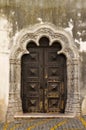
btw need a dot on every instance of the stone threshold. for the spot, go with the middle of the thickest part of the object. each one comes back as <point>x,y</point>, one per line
<point>42,115</point>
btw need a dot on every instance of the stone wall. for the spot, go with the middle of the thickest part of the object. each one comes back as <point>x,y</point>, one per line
<point>18,14</point>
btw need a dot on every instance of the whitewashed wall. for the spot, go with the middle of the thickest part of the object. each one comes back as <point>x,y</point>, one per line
<point>4,64</point>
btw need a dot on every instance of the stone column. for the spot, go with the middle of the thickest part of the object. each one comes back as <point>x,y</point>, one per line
<point>18,87</point>
<point>70,88</point>
<point>76,101</point>
<point>14,105</point>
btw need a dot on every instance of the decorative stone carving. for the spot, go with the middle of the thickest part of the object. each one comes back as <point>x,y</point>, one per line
<point>68,49</point>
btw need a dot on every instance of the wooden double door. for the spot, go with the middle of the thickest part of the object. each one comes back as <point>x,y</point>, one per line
<point>43,80</point>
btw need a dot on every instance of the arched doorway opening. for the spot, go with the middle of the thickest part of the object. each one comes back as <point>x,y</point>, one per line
<point>43,78</point>
<point>34,58</point>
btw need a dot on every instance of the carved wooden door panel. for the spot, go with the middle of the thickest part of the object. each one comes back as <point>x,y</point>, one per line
<point>43,80</point>
<point>55,77</point>
<point>31,81</point>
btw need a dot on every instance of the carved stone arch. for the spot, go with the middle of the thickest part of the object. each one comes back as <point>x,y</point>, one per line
<point>68,49</point>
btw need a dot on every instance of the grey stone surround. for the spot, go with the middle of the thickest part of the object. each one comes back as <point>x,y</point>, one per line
<point>69,49</point>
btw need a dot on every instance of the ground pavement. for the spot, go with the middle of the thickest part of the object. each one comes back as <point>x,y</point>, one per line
<point>77,123</point>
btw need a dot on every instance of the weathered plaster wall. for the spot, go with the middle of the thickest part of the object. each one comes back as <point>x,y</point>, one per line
<point>4,64</point>
<point>18,14</point>
<point>4,83</point>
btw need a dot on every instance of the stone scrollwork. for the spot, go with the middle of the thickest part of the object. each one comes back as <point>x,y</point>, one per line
<point>28,36</point>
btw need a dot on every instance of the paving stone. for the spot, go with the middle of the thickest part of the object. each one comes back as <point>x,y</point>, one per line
<point>46,124</point>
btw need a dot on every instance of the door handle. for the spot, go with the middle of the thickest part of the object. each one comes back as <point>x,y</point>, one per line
<point>45,92</point>
<point>46,76</point>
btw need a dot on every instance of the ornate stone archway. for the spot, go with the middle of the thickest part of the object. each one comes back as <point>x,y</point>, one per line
<point>68,49</point>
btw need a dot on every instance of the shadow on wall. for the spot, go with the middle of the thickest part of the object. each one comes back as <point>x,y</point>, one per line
<point>2,110</point>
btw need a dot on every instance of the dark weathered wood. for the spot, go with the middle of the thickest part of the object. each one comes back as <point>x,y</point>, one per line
<point>43,79</point>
